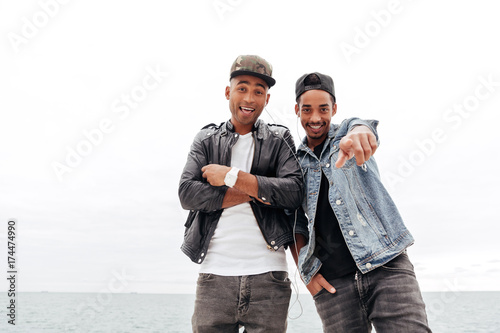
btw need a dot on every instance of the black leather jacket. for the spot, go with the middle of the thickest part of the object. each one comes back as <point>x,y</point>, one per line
<point>278,174</point>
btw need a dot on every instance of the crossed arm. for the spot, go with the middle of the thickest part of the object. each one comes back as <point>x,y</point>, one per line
<point>201,185</point>
<point>246,185</point>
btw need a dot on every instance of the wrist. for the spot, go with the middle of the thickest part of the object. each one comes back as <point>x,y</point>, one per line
<point>355,126</point>
<point>231,177</point>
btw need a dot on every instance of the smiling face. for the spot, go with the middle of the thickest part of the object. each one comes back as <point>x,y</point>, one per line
<point>315,109</point>
<point>247,97</point>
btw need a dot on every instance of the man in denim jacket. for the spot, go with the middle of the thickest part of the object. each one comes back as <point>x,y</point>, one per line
<point>355,263</point>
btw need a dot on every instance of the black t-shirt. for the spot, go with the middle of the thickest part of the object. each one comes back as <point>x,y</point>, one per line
<point>331,248</point>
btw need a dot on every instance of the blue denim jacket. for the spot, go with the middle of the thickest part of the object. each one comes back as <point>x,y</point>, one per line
<point>370,222</point>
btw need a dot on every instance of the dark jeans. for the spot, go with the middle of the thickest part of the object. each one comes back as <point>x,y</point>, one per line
<point>258,302</point>
<point>388,297</point>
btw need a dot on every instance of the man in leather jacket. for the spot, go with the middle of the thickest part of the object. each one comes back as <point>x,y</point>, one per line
<point>239,178</point>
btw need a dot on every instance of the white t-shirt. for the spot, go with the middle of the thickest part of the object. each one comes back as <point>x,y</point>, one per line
<point>238,246</point>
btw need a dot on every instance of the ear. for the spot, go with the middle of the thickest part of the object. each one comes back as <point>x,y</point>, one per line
<point>228,90</point>
<point>267,99</point>
<point>297,110</point>
<point>334,111</point>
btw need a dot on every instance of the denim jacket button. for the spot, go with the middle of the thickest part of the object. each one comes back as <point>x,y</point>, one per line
<point>327,165</point>
<point>351,233</point>
<point>273,242</point>
<point>368,265</point>
<point>338,202</point>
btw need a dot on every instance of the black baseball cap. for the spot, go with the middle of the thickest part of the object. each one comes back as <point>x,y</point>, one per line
<point>323,82</point>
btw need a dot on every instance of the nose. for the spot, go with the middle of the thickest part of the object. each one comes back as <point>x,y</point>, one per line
<point>248,97</point>
<point>315,117</point>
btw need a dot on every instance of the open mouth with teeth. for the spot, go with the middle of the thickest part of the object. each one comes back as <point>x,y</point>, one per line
<point>315,127</point>
<point>246,110</point>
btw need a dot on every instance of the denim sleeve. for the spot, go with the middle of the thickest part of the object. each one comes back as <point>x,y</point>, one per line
<point>348,124</point>
<point>195,193</point>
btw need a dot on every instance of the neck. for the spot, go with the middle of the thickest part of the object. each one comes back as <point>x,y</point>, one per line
<point>312,143</point>
<point>242,129</point>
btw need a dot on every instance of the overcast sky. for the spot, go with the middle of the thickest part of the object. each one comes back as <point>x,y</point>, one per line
<point>100,101</point>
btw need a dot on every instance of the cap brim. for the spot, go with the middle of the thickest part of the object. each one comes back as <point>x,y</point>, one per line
<point>269,80</point>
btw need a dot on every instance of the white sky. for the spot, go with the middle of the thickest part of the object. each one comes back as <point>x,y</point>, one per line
<point>114,214</point>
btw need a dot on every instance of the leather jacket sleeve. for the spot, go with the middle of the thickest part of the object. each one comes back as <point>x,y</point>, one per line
<point>283,190</point>
<point>195,193</point>
<point>298,220</point>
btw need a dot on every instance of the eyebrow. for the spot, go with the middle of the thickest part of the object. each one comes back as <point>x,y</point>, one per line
<point>309,105</point>
<point>246,82</point>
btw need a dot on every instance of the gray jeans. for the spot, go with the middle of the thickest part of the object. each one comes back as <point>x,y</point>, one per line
<point>258,302</point>
<point>388,297</point>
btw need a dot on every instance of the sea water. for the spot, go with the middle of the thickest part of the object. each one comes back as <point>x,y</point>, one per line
<point>455,312</point>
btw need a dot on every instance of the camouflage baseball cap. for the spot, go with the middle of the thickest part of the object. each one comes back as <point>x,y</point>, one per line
<point>255,66</point>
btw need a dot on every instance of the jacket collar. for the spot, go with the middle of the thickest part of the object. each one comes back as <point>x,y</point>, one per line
<point>258,129</point>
